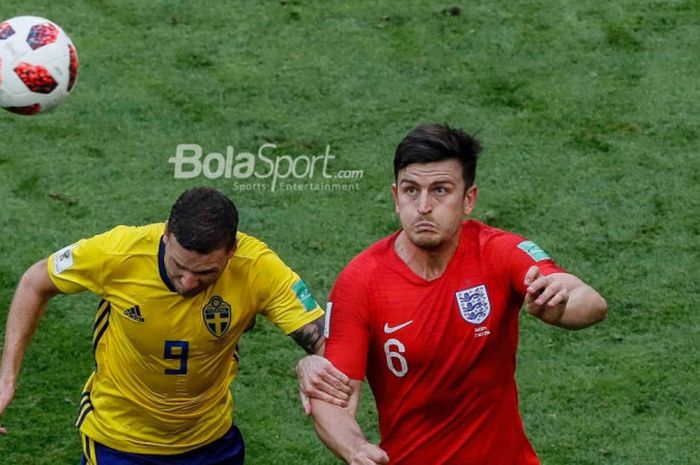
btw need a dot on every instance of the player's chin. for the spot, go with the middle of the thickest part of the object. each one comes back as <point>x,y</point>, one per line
<point>427,240</point>
<point>189,292</point>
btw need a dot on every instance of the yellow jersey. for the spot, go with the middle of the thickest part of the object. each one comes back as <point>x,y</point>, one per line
<point>164,362</point>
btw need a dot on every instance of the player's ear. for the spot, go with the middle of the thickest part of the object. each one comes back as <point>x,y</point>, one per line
<point>394,194</point>
<point>233,249</point>
<point>470,198</point>
<point>166,233</point>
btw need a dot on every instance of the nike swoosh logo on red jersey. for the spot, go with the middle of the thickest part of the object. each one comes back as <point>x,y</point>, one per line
<point>390,329</point>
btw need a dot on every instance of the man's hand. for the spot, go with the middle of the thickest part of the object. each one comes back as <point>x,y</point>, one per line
<point>546,296</point>
<point>369,454</point>
<point>562,299</point>
<point>7,392</point>
<point>318,378</point>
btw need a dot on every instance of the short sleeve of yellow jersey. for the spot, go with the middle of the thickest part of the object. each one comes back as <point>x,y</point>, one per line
<point>80,266</point>
<point>285,298</point>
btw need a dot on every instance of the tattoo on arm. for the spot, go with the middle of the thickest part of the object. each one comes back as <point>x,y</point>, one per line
<point>310,336</point>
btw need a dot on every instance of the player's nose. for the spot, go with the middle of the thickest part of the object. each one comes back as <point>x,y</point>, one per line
<point>188,281</point>
<point>424,204</point>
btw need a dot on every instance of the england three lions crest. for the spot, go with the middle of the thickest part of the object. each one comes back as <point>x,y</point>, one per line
<point>474,305</point>
<point>217,316</point>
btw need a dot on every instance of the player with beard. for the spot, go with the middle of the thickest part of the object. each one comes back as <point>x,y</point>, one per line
<point>176,297</point>
<point>430,316</point>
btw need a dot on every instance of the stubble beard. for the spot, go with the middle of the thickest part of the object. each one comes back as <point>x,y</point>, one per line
<point>427,242</point>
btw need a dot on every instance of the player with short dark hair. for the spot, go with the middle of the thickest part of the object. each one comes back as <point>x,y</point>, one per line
<point>436,142</point>
<point>430,316</point>
<point>176,298</point>
<point>203,220</point>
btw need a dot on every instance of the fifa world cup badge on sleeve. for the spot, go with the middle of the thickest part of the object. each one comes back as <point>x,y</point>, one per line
<point>474,304</point>
<point>535,252</point>
<point>304,295</point>
<point>63,259</point>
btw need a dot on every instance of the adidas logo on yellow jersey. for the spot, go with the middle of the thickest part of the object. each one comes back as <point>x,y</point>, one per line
<point>134,313</point>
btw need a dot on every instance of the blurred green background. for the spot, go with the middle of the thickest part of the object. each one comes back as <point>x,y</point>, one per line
<point>589,115</point>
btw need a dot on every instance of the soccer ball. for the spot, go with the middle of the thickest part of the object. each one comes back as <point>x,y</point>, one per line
<point>38,65</point>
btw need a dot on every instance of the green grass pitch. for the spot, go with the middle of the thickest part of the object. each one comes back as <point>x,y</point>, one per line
<point>589,115</point>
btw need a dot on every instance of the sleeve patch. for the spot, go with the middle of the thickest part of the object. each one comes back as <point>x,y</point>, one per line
<point>63,259</point>
<point>533,250</point>
<point>304,295</point>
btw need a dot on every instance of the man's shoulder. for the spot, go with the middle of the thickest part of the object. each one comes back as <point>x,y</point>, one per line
<point>371,260</point>
<point>152,231</point>
<point>491,244</point>
<point>249,247</point>
<point>487,236</point>
<point>253,255</point>
<point>130,240</point>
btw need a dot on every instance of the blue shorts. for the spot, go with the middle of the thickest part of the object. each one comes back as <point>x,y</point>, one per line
<point>227,450</point>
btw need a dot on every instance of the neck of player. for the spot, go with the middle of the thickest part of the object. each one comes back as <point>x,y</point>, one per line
<point>428,264</point>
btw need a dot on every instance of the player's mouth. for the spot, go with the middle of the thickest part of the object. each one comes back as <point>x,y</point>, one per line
<point>190,292</point>
<point>187,292</point>
<point>425,226</point>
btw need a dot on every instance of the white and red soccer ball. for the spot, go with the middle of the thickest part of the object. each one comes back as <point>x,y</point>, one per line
<point>38,65</point>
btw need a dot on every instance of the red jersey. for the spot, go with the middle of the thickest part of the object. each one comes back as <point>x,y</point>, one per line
<point>439,355</point>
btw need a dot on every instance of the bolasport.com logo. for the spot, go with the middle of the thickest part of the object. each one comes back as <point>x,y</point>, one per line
<point>265,170</point>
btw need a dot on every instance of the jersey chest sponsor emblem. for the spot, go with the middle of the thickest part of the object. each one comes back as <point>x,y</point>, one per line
<point>217,316</point>
<point>474,304</point>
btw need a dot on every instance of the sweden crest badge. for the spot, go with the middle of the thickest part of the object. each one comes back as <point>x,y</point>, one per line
<point>217,316</point>
<point>474,304</point>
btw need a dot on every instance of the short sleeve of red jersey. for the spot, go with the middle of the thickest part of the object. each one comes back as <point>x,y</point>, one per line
<point>348,329</point>
<point>518,254</point>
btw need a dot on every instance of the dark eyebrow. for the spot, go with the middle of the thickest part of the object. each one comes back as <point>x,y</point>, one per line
<point>432,184</point>
<point>205,271</point>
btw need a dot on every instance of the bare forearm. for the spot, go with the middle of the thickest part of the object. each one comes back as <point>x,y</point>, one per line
<point>585,308</point>
<point>310,337</point>
<point>338,429</point>
<point>562,299</point>
<point>26,310</point>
